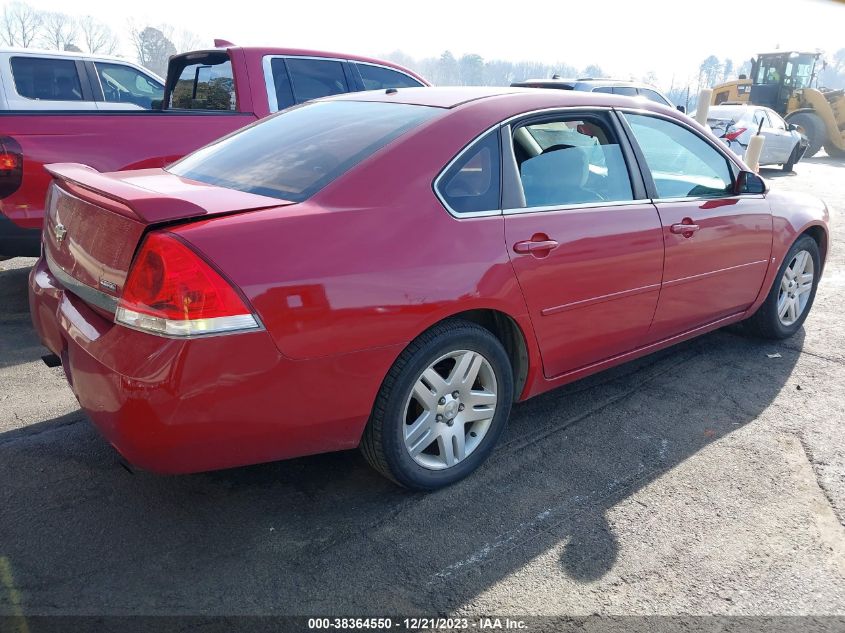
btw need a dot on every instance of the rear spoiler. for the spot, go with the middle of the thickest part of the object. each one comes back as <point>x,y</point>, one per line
<point>148,206</point>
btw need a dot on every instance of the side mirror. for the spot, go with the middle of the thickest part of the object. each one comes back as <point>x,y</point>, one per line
<point>749,182</point>
<point>682,109</point>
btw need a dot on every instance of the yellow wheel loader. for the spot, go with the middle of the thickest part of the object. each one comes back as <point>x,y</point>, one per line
<point>786,82</point>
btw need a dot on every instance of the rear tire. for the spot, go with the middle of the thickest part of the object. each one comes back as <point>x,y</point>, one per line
<point>441,408</point>
<point>814,130</point>
<point>774,318</point>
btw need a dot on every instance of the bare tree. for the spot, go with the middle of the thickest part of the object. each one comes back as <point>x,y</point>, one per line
<point>20,24</point>
<point>97,37</point>
<point>187,41</point>
<point>153,47</point>
<point>58,31</point>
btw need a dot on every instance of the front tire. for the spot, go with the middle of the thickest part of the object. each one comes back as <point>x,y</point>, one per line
<point>441,408</point>
<point>789,165</point>
<point>789,301</point>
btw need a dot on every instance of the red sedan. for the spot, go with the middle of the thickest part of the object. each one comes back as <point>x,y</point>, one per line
<point>391,270</point>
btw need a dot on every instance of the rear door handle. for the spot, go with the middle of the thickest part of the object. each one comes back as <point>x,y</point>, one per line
<point>684,229</point>
<point>532,246</point>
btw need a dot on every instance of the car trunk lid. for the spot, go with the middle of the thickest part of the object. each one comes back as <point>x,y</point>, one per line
<point>96,221</point>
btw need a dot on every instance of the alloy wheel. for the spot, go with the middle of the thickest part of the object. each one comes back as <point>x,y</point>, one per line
<point>795,288</point>
<point>450,409</point>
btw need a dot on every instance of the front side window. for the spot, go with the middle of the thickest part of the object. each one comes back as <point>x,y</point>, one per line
<point>46,79</point>
<point>473,182</point>
<point>682,164</point>
<point>295,153</point>
<point>315,78</point>
<point>124,84</point>
<point>204,83</point>
<point>379,78</point>
<point>570,160</point>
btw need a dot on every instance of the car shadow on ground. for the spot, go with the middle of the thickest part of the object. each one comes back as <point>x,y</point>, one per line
<point>325,534</point>
<point>18,340</point>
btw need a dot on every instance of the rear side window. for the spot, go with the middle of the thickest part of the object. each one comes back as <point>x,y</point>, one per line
<point>281,88</point>
<point>473,182</point>
<point>379,78</point>
<point>625,91</point>
<point>46,79</point>
<point>315,78</point>
<point>570,160</point>
<point>651,95</point>
<point>205,83</point>
<point>295,153</point>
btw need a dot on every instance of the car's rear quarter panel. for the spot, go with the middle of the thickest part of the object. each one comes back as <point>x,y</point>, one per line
<point>362,266</point>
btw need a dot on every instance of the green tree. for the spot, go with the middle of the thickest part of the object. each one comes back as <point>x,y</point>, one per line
<point>448,73</point>
<point>471,69</point>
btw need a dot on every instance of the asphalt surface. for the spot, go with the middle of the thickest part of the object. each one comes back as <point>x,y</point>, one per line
<point>705,479</point>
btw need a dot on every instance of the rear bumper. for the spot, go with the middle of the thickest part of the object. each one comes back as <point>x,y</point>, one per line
<point>16,241</point>
<point>179,406</point>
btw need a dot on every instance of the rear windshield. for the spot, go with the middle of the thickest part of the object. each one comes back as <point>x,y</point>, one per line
<point>724,114</point>
<point>295,153</point>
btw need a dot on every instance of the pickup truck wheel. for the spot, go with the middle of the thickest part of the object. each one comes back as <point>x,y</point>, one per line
<point>791,296</point>
<point>441,408</point>
<point>813,128</point>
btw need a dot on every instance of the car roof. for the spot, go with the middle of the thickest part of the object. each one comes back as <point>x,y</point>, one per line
<point>37,52</point>
<point>532,98</point>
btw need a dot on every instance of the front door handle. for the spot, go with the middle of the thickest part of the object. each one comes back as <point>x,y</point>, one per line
<point>535,246</point>
<point>685,228</point>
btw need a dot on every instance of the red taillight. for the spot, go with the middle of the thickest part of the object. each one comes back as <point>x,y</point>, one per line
<point>172,290</point>
<point>11,166</point>
<point>732,136</point>
<point>8,161</point>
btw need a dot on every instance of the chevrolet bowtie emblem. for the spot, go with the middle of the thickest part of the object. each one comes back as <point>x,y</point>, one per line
<point>59,231</point>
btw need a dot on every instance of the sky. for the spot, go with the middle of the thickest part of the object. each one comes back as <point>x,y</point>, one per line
<point>624,37</point>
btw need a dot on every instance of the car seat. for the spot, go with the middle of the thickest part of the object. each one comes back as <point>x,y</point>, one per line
<point>557,178</point>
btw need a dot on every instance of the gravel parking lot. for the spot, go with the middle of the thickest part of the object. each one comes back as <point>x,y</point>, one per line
<point>704,479</point>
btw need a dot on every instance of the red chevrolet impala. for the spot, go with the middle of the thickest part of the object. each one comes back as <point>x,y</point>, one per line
<point>391,270</point>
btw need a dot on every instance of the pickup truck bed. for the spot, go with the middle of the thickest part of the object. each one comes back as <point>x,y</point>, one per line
<point>208,94</point>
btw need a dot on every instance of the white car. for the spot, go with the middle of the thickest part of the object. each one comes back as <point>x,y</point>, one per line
<point>736,124</point>
<point>57,80</point>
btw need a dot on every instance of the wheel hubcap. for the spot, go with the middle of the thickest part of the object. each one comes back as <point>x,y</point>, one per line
<point>795,287</point>
<point>450,409</point>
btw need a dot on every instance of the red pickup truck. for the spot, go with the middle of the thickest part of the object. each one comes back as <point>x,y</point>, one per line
<point>208,94</point>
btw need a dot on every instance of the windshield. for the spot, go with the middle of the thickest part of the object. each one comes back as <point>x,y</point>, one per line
<point>295,153</point>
